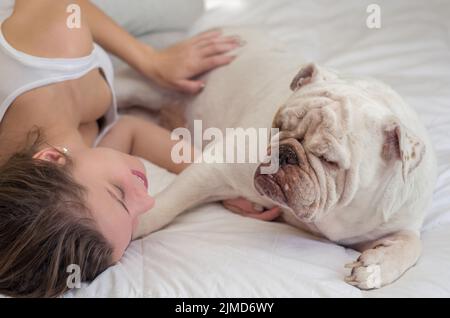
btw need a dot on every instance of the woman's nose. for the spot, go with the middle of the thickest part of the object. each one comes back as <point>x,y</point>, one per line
<point>147,204</point>
<point>141,204</point>
<point>141,201</point>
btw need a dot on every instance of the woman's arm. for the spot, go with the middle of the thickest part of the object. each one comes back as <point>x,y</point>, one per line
<point>174,67</point>
<point>141,138</point>
<point>112,37</point>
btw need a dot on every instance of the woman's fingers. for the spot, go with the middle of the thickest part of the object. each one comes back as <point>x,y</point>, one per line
<point>240,206</point>
<point>215,61</point>
<point>190,86</point>
<point>220,40</point>
<point>246,208</point>
<point>268,215</point>
<point>217,49</point>
<point>182,62</point>
<point>221,47</point>
<point>208,35</point>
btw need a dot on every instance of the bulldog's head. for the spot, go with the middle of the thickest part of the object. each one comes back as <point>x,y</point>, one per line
<point>338,138</point>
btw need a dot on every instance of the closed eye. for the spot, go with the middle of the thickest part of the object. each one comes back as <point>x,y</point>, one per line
<point>122,193</point>
<point>331,164</point>
<point>120,198</point>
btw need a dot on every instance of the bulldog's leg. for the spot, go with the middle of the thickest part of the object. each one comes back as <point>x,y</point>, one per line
<point>385,260</point>
<point>197,184</point>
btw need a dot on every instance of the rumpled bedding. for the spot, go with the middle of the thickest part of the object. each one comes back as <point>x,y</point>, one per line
<point>210,252</point>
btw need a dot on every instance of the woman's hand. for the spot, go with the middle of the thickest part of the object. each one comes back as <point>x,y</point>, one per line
<point>246,208</point>
<point>176,66</point>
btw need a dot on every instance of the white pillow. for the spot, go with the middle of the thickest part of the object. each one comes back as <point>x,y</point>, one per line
<point>6,9</point>
<point>143,16</point>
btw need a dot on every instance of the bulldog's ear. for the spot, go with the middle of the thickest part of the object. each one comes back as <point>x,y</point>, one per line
<point>311,73</point>
<point>401,144</point>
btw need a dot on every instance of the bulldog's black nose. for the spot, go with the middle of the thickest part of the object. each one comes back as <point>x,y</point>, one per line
<point>287,156</point>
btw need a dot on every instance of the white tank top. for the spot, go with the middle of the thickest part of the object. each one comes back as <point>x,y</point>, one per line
<point>21,72</point>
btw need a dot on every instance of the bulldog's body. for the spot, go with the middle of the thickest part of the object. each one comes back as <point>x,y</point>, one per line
<point>356,165</point>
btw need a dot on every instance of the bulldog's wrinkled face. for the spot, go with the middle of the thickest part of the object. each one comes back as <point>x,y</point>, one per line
<point>336,136</point>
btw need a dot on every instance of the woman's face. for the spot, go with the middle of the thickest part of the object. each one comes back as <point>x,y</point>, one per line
<point>117,192</point>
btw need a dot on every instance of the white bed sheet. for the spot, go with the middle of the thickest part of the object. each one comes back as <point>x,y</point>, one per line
<point>210,252</point>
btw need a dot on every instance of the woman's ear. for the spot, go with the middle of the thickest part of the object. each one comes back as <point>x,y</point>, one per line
<point>51,155</point>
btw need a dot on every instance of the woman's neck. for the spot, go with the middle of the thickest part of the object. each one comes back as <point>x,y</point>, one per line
<point>70,139</point>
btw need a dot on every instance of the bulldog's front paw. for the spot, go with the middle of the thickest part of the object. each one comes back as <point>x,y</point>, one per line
<point>368,271</point>
<point>385,261</point>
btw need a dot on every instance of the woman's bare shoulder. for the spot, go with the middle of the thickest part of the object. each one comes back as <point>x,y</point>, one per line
<point>40,28</point>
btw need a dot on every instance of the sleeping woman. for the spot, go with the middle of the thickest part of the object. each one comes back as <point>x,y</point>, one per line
<point>71,186</point>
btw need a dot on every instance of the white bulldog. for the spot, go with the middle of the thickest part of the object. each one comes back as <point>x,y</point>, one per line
<point>356,164</point>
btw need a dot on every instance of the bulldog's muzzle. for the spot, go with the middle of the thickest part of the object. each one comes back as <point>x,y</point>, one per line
<point>294,185</point>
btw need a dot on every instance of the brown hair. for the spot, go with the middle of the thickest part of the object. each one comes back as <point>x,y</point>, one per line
<point>45,227</point>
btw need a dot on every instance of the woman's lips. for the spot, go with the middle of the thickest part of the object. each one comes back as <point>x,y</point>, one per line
<point>141,176</point>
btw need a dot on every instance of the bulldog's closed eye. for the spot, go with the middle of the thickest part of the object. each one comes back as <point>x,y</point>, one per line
<point>329,163</point>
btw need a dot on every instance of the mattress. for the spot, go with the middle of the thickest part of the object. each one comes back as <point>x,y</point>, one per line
<point>211,252</point>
